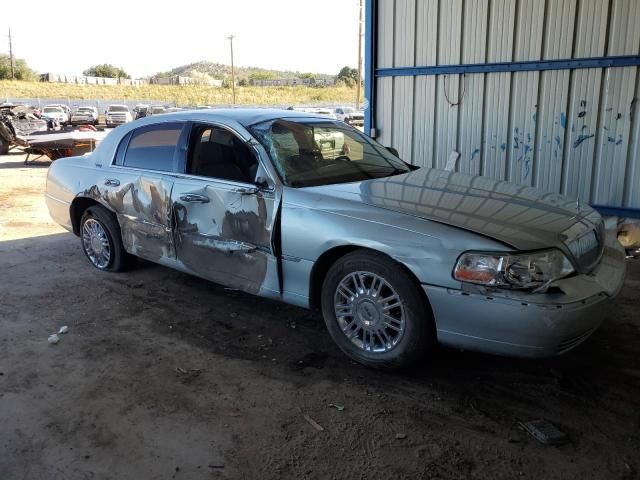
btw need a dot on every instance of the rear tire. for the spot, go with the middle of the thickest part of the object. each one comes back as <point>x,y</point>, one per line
<point>101,240</point>
<point>375,311</point>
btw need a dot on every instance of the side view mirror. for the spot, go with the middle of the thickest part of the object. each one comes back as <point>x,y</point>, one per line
<point>393,151</point>
<point>262,184</point>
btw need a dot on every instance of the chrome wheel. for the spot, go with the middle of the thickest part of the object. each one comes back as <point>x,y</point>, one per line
<point>96,243</point>
<point>369,312</point>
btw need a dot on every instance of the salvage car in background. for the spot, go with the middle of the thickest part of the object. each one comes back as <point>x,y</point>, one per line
<point>85,116</point>
<point>156,110</point>
<point>117,115</point>
<point>16,123</point>
<point>56,114</point>
<point>350,116</point>
<point>396,257</point>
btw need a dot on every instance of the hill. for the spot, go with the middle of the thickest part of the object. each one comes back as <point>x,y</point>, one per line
<point>221,71</point>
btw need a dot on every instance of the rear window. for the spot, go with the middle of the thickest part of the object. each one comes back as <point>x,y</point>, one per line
<point>52,109</point>
<point>116,108</point>
<point>153,148</point>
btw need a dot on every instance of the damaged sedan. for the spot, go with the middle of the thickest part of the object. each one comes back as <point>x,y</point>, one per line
<point>307,210</point>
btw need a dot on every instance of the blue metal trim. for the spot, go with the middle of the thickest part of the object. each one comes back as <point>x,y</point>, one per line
<point>369,65</point>
<point>528,66</point>
<point>617,211</point>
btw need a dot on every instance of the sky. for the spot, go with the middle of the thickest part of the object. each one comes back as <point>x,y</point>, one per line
<point>145,37</point>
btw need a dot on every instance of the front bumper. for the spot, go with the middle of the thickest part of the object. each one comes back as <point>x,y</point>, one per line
<point>82,121</point>
<point>116,121</point>
<point>524,324</point>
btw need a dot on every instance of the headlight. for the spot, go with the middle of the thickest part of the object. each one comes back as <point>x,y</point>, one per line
<point>511,270</point>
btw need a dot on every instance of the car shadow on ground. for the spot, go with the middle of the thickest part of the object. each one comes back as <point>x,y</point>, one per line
<point>223,319</point>
<point>167,340</point>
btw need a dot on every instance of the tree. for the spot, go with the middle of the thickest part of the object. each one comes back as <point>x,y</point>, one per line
<point>106,70</point>
<point>20,68</point>
<point>307,75</point>
<point>348,75</point>
<point>243,82</point>
<point>200,78</point>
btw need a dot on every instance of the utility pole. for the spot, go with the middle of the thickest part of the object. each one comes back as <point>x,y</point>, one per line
<point>13,73</point>
<point>233,75</point>
<point>358,86</point>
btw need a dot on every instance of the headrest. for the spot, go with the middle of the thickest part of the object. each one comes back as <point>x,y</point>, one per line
<point>222,137</point>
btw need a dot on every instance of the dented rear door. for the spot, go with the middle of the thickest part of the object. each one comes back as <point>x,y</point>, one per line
<point>142,202</point>
<point>138,188</point>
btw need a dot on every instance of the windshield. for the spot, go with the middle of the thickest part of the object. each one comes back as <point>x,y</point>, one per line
<point>52,109</point>
<point>118,108</point>
<point>85,110</point>
<point>311,153</point>
<point>348,110</point>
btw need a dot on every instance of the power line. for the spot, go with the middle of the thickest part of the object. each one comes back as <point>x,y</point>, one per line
<point>13,76</point>
<point>233,76</point>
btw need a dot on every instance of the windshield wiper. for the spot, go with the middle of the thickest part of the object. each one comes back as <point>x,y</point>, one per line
<point>393,168</point>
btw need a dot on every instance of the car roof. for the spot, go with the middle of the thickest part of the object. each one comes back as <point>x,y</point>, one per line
<point>244,116</point>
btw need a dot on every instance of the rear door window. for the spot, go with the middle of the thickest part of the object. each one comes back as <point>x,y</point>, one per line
<point>153,147</point>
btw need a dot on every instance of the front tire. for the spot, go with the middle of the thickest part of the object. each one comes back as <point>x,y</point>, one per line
<point>102,242</point>
<point>375,311</point>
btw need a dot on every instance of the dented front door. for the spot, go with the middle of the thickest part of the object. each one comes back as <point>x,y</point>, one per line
<point>223,232</point>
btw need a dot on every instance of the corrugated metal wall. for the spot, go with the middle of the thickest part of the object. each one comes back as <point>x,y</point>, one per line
<point>570,131</point>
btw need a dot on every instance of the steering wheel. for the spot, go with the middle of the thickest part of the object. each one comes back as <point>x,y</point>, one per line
<point>344,158</point>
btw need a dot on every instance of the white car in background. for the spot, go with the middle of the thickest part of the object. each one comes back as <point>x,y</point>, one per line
<point>84,116</point>
<point>325,112</point>
<point>55,113</point>
<point>117,115</point>
<point>350,115</point>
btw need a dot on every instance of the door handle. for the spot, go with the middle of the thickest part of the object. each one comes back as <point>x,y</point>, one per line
<point>194,198</point>
<point>246,190</point>
<point>112,182</point>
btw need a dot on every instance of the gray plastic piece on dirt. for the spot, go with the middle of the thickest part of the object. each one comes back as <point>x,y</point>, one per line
<point>545,432</point>
<point>53,338</point>
<point>337,407</point>
<point>63,329</point>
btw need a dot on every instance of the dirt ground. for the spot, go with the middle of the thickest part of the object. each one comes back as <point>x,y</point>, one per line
<point>163,375</point>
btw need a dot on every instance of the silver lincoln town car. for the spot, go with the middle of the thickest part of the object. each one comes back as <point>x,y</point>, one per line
<point>308,210</point>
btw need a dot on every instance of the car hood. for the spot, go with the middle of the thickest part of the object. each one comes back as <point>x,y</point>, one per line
<point>522,217</point>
